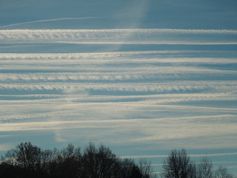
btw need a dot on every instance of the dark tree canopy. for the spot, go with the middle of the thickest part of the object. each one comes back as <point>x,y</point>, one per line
<point>205,169</point>
<point>29,161</point>
<point>178,165</point>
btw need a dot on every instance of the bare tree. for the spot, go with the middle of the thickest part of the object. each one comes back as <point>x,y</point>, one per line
<point>205,169</point>
<point>27,155</point>
<point>178,165</point>
<point>100,162</point>
<point>145,168</point>
<point>222,172</point>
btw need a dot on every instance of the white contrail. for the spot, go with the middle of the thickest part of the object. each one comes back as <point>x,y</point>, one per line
<point>118,36</point>
<point>129,30</point>
<point>47,20</point>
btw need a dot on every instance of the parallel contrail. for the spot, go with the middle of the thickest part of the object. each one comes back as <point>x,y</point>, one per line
<point>119,36</point>
<point>47,20</point>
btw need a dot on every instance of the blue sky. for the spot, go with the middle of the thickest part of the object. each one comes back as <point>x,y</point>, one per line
<point>121,14</point>
<point>142,77</point>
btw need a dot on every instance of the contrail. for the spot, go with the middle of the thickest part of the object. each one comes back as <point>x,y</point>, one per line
<point>48,20</point>
<point>118,36</point>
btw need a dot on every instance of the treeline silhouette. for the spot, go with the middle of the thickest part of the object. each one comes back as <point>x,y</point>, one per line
<point>179,165</point>
<point>30,161</point>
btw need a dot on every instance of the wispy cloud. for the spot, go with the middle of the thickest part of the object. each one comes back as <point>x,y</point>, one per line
<point>5,147</point>
<point>169,97</point>
<point>119,36</point>
<point>46,21</point>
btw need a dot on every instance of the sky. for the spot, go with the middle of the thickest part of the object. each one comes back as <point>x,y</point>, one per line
<point>140,76</point>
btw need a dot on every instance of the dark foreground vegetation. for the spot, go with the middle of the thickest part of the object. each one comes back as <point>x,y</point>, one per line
<point>179,165</point>
<point>29,161</point>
